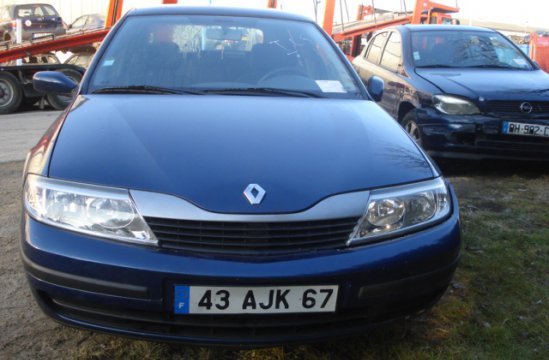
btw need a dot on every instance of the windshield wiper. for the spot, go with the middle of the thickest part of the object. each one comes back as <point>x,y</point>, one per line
<point>142,89</point>
<point>436,66</point>
<point>493,66</point>
<point>261,91</point>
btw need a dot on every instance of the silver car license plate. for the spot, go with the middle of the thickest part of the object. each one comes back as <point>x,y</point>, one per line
<point>254,300</point>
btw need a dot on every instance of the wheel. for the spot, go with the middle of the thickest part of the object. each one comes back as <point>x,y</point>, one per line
<point>61,101</point>
<point>6,37</point>
<point>281,71</point>
<point>409,123</point>
<point>11,93</point>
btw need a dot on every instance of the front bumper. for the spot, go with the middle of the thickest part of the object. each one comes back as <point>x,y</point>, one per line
<point>129,290</point>
<point>478,137</point>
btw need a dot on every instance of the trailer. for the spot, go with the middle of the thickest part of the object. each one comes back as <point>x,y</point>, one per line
<point>370,19</point>
<point>16,86</point>
<point>16,79</point>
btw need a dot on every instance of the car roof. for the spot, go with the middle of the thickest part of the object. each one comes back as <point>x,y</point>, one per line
<point>413,28</point>
<point>30,4</point>
<point>13,6</point>
<point>218,11</point>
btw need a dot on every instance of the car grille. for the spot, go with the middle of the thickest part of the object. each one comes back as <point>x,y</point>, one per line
<point>514,107</point>
<point>244,330</point>
<point>245,238</point>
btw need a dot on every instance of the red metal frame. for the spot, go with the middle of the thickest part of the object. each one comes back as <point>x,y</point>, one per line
<point>423,10</point>
<point>57,44</point>
<point>364,29</point>
<point>539,50</point>
<point>115,12</point>
<point>362,12</point>
<point>329,11</point>
<point>65,42</point>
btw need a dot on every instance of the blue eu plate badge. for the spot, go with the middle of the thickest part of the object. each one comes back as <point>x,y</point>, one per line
<point>181,299</point>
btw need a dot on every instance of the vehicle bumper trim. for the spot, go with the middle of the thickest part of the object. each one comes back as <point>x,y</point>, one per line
<point>84,283</point>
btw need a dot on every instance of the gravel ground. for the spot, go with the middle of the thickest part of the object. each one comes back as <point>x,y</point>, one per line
<point>19,132</point>
<point>26,333</point>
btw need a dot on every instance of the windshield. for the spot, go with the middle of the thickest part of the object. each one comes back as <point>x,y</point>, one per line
<point>34,10</point>
<point>466,49</point>
<point>210,53</point>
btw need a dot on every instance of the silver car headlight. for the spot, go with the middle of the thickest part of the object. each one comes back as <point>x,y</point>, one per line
<point>397,210</point>
<point>88,209</point>
<point>453,105</point>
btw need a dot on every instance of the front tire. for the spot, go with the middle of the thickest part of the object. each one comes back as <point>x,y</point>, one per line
<point>61,101</point>
<point>409,123</point>
<point>11,93</point>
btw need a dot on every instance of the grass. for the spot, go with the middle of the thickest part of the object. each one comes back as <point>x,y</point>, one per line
<point>496,308</point>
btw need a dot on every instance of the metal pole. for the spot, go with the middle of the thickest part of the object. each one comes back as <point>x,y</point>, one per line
<point>19,37</point>
<point>328,22</point>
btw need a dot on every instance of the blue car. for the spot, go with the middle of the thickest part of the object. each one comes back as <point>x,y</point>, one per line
<point>223,177</point>
<point>461,92</point>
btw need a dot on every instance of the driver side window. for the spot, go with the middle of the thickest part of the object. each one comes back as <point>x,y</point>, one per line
<point>374,52</point>
<point>392,55</point>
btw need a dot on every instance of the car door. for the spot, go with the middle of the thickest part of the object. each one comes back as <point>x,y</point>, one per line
<point>371,63</point>
<point>367,63</point>
<point>392,73</point>
<point>79,23</point>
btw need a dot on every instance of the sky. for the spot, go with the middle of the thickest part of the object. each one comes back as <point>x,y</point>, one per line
<point>525,12</point>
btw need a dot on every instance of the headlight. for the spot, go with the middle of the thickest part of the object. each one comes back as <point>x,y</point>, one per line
<point>400,209</point>
<point>93,210</point>
<point>452,105</point>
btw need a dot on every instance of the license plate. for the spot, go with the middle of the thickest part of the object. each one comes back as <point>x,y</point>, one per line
<point>38,35</point>
<point>254,300</point>
<point>514,128</point>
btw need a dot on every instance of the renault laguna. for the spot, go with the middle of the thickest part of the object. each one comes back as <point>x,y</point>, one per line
<point>223,177</point>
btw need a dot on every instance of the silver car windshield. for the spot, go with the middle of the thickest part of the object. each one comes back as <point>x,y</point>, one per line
<point>223,54</point>
<point>466,49</point>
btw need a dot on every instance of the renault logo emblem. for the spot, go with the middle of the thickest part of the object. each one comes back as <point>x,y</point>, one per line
<point>526,107</point>
<point>254,193</point>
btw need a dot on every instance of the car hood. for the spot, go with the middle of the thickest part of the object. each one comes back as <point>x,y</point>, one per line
<point>208,149</point>
<point>490,83</point>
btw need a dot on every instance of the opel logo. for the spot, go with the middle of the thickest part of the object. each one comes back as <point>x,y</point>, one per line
<point>526,107</point>
<point>254,193</point>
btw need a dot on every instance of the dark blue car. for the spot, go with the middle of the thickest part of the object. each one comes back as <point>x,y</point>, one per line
<point>461,92</point>
<point>223,177</point>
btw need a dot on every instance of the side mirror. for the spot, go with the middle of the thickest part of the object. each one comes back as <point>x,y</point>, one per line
<point>53,82</point>
<point>375,88</point>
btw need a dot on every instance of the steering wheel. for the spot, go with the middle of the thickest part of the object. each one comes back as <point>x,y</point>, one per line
<point>281,71</point>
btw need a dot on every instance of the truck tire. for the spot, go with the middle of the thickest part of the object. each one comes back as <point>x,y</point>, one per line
<point>11,93</point>
<point>61,101</point>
